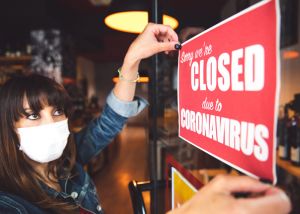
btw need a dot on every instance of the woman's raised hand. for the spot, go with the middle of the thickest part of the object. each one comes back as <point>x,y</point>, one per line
<point>154,39</point>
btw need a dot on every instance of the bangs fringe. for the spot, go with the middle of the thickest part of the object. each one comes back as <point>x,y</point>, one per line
<point>39,92</point>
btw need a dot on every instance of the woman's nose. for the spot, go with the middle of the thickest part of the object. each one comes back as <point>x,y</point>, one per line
<point>47,119</point>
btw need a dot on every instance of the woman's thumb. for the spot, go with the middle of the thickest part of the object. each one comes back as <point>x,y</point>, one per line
<point>168,46</point>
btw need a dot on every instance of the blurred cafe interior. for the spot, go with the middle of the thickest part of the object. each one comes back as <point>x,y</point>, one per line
<point>81,44</point>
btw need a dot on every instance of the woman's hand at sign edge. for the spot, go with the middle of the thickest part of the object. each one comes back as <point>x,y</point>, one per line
<point>154,39</point>
<point>218,197</point>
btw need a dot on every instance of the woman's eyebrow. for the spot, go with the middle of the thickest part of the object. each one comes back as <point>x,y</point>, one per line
<point>28,110</point>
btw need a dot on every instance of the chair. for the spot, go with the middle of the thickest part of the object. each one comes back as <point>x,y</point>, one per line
<point>136,189</point>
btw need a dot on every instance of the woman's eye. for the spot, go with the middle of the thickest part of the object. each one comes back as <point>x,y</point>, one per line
<point>58,112</point>
<point>33,117</point>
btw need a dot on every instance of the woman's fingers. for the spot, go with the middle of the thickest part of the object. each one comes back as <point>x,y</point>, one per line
<point>154,39</point>
<point>271,203</point>
<point>234,184</point>
<point>164,31</point>
<point>262,198</point>
<point>216,197</point>
<point>165,46</point>
<point>165,37</point>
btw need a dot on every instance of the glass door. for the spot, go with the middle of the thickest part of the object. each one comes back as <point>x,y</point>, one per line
<point>169,149</point>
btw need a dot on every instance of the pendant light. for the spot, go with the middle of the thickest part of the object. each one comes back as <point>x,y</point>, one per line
<point>132,17</point>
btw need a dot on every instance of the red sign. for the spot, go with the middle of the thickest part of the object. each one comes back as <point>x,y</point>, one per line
<point>229,89</point>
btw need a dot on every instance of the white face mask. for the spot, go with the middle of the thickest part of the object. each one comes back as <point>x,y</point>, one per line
<point>44,143</point>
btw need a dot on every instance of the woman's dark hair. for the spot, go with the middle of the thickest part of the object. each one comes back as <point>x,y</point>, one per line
<point>17,176</point>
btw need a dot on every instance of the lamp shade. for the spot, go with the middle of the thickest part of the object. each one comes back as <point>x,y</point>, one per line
<point>134,21</point>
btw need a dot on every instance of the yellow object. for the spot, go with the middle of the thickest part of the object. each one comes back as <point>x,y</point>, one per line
<point>182,189</point>
<point>134,21</point>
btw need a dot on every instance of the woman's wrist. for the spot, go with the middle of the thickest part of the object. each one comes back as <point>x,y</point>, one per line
<point>121,77</point>
<point>129,69</point>
<point>131,62</point>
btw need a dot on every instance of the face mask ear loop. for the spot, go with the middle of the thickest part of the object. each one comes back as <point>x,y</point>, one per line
<point>24,156</point>
<point>19,143</point>
<point>19,146</point>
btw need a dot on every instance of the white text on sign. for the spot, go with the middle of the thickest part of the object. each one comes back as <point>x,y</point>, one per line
<point>214,73</point>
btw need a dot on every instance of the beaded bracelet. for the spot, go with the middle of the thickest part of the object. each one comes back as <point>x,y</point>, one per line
<point>121,77</point>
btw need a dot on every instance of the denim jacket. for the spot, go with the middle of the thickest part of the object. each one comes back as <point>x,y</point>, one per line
<point>89,141</point>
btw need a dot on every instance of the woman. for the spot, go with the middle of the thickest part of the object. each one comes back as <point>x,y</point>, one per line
<point>41,163</point>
